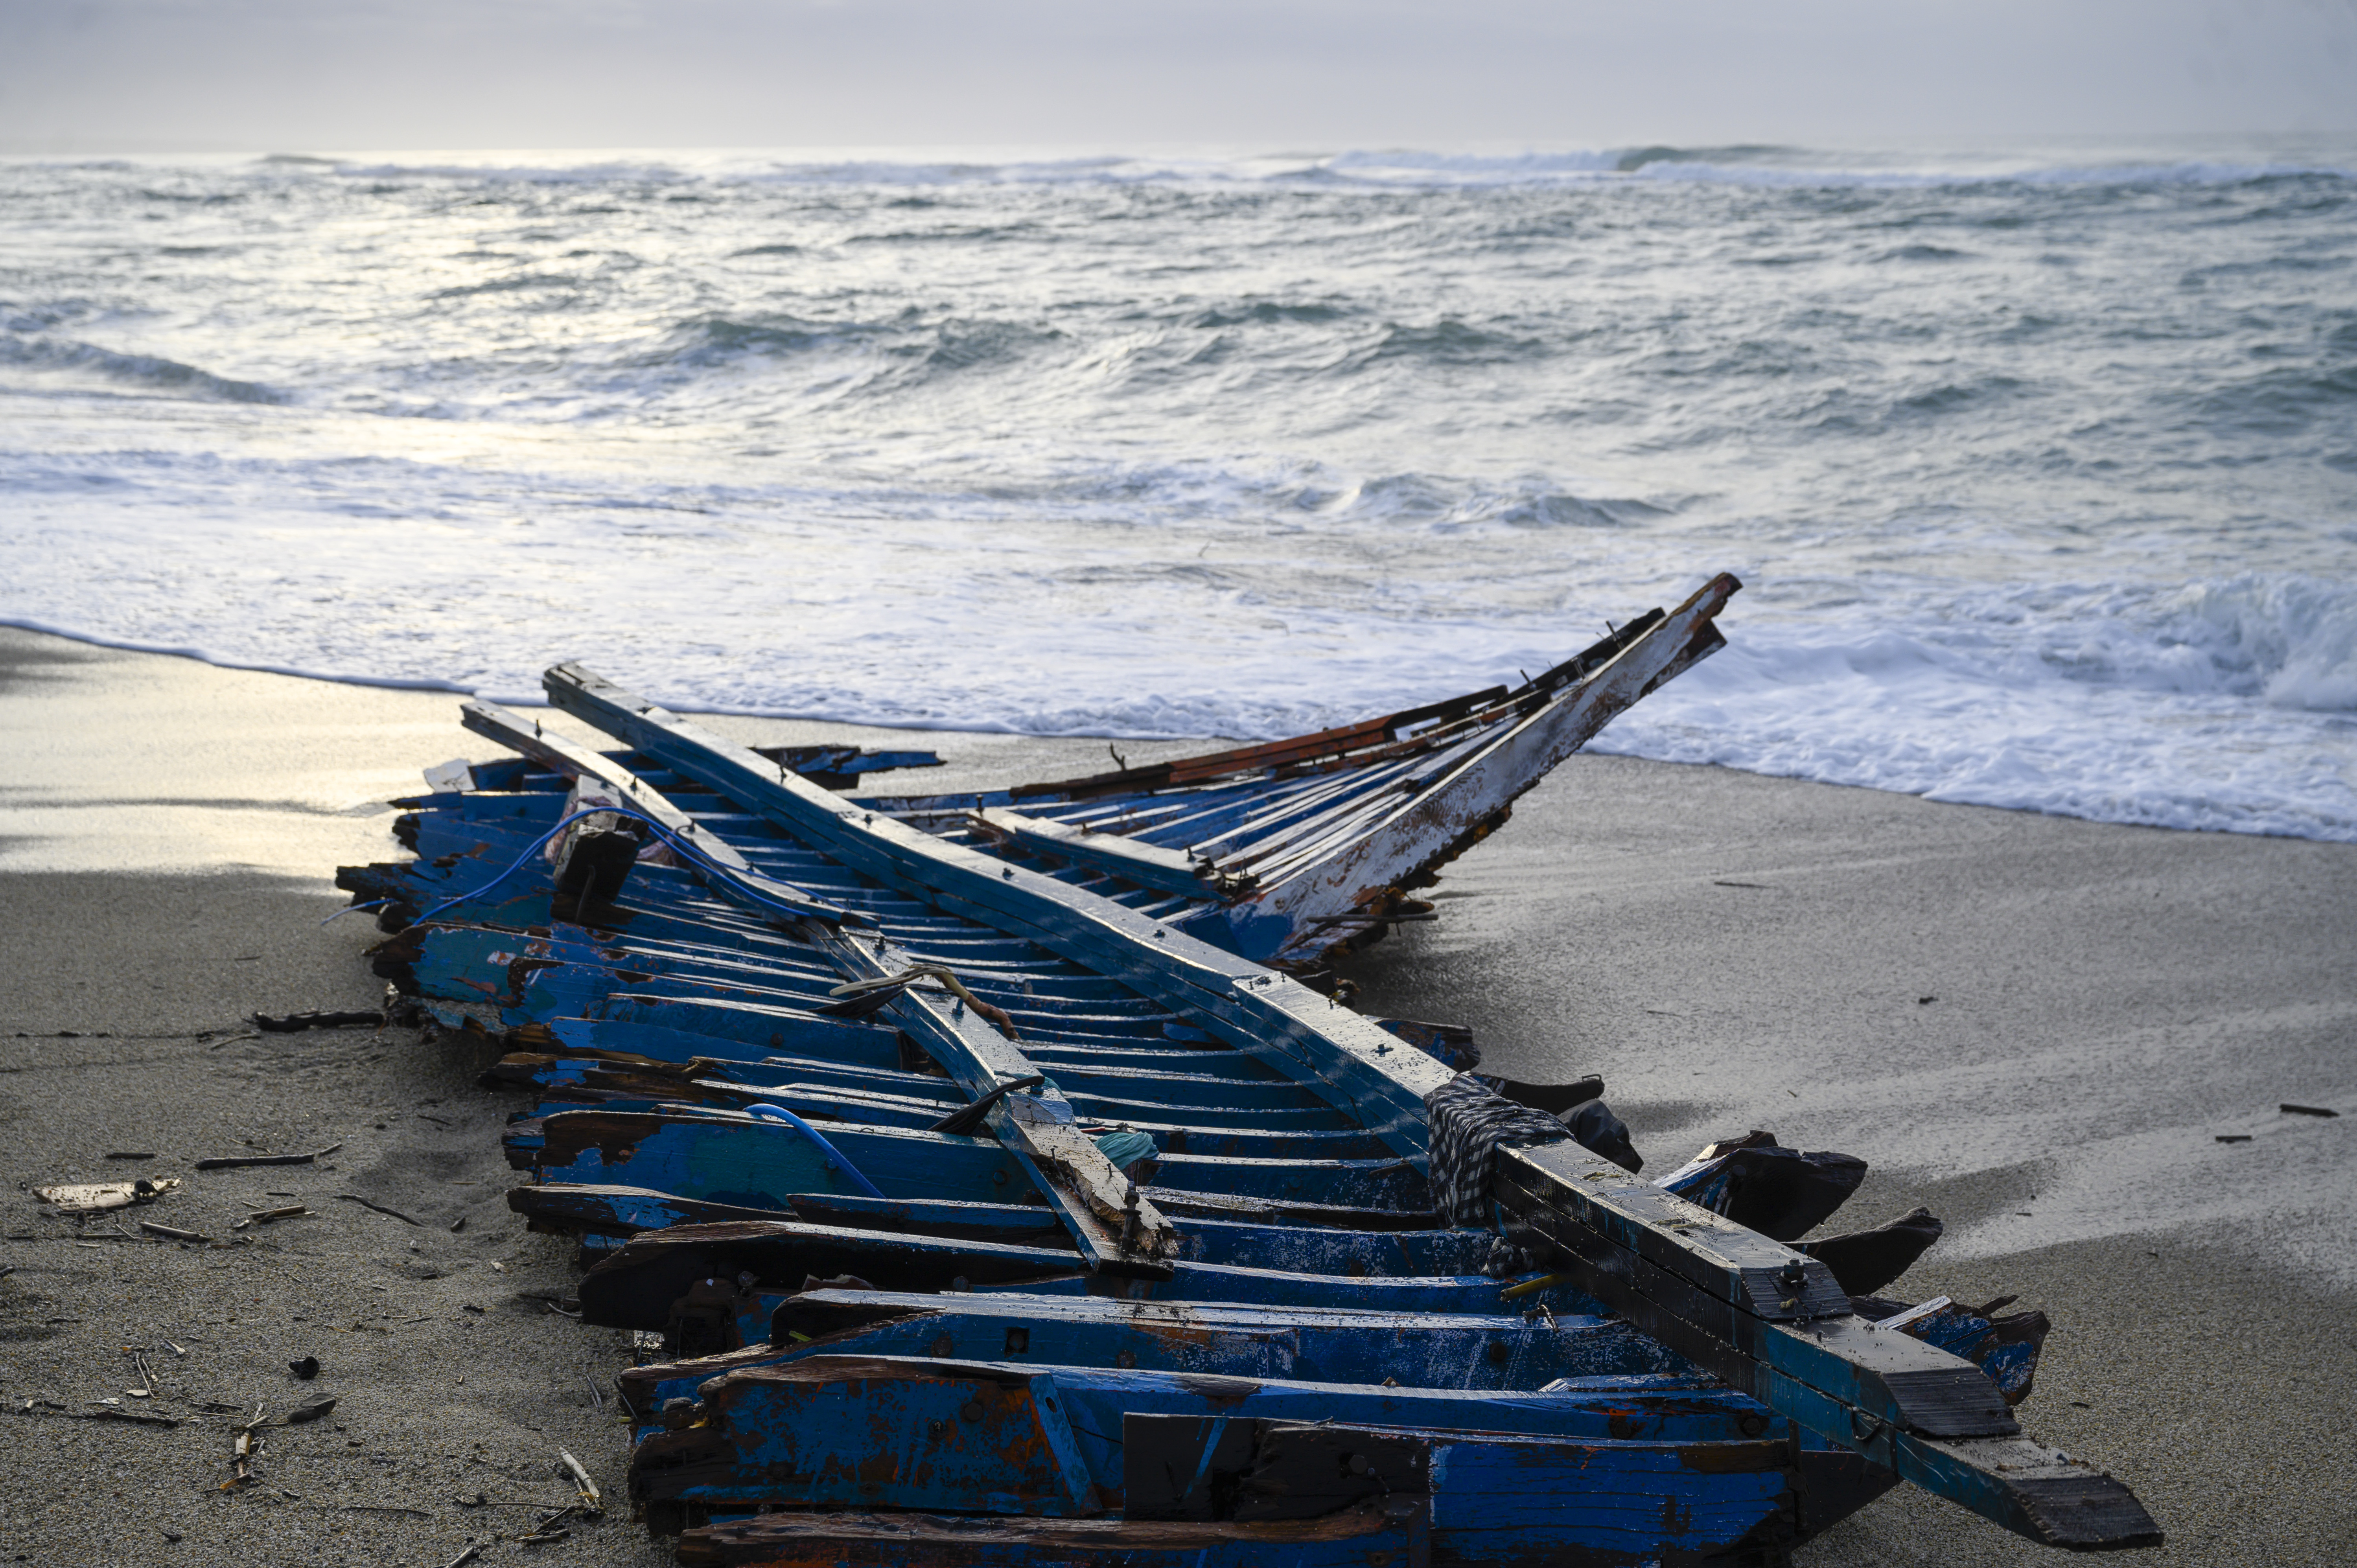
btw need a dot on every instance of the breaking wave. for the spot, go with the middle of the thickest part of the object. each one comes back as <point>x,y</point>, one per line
<point>145,372</point>
<point>1743,164</point>
<point>2038,465</point>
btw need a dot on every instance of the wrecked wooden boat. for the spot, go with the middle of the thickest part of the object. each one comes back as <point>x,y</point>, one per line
<point>987,1218</point>
<point>1294,852</point>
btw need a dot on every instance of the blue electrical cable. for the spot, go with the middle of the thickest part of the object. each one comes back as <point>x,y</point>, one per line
<point>764,1111</point>
<point>676,843</point>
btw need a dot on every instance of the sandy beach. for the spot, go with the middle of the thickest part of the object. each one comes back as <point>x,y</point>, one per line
<point>2037,1026</point>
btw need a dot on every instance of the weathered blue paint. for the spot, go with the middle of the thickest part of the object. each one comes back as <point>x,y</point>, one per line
<point>1438,1293</point>
<point>1248,1287</point>
<point>1429,1350</point>
<point>1177,1088</point>
<point>721,1152</point>
<point>763,1028</point>
<point>1314,1250</point>
<point>735,1160</point>
<point>1373,1184</point>
<point>1003,1437</point>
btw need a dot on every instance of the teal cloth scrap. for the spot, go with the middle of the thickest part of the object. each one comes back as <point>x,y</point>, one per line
<point>1126,1148</point>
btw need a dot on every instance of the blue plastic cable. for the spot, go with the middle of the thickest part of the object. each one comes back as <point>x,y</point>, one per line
<point>764,1111</point>
<point>676,843</point>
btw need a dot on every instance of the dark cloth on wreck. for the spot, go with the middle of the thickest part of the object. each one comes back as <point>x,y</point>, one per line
<point>1470,1123</point>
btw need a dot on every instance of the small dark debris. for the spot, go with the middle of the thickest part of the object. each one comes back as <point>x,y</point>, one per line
<point>379,1208</point>
<point>1925,1000</point>
<point>172,1535</point>
<point>307,1368</point>
<point>460,1223</point>
<point>2288,1109</point>
<point>470,1306</point>
<point>293,1022</point>
<point>137,1418</point>
<point>172,1233</point>
<point>130,1154</point>
<point>231,1161</point>
<point>2233,1137</point>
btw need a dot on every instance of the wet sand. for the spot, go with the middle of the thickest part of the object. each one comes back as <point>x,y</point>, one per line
<point>1729,952</point>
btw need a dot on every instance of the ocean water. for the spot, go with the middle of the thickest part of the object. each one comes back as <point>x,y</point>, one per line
<point>2040,465</point>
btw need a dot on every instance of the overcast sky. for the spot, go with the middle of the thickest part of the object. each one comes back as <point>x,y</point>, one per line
<point>319,75</point>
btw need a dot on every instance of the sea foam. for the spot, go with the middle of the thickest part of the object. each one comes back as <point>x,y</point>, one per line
<point>2038,467</point>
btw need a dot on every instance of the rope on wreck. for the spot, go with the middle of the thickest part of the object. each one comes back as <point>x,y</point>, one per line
<point>997,1017</point>
<point>763,1110</point>
<point>677,843</point>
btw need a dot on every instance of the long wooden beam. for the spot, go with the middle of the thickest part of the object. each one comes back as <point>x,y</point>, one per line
<point>1750,1308</point>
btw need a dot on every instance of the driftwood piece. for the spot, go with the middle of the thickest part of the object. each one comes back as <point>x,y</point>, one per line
<point>293,1022</point>
<point>233,1162</point>
<point>378,1208</point>
<point>172,1233</point>
<point>591,1505</point>
<point>97,1197</point>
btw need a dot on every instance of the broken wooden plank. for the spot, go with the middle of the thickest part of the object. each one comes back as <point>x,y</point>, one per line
<point>729,1157</point>
<point>99,1198</point>
<point>940,1435</point>
<point>1133,860</point>
<point>1356,1345</point>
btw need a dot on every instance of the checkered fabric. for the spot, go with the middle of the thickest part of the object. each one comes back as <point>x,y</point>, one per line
<point>1470,1123</point>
